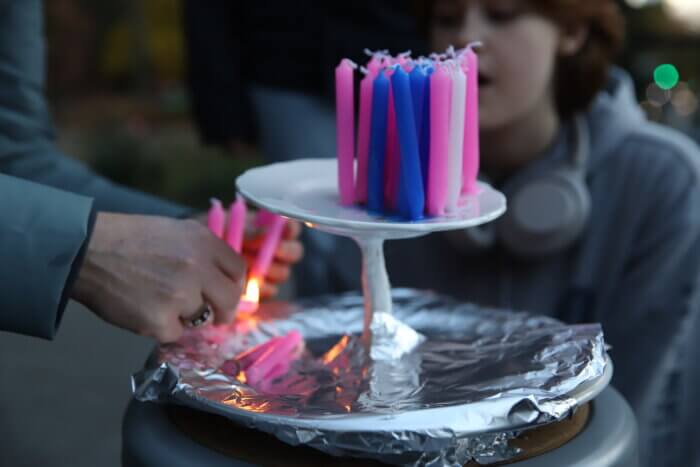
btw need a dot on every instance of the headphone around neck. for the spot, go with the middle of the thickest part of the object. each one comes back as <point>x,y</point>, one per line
<point>546,212</point>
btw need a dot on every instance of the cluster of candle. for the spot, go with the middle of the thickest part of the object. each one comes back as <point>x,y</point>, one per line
<point>232,230</point>
<point>417,133</point>
<point>260,366</point>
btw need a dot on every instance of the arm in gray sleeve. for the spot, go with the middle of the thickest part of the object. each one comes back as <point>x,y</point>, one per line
<point>27,148</point>
<point>42,236</point>
<point>653,307</point>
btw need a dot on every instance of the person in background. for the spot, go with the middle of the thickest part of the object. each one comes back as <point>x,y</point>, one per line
<point>133,259</point>
<point>262,73</point>
<point>603,222</point>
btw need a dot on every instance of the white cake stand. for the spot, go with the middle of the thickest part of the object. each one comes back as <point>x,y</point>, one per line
<point>307,190</point>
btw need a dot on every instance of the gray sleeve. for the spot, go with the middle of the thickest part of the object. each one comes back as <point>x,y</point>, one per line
<point>27,148</point>
<point>42,234</point>
<point>653,307</point>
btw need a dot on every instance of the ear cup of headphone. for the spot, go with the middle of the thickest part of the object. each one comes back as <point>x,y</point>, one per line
<point>545,215</point>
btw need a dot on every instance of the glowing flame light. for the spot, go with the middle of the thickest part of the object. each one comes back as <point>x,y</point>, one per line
<point>250,300</point>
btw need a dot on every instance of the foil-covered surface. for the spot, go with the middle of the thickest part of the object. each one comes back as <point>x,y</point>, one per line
<point>479,377</point>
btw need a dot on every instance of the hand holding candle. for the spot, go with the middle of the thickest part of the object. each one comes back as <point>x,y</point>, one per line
<point>284,254</point>
<point>278,258</point>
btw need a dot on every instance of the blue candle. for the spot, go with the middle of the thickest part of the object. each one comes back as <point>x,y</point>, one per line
<point>418,80</point>
<point>411,199</point>
<point>377,148</point>
<point>424,140</point>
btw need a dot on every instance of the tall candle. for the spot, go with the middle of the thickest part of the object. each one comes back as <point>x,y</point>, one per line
<point>363,134</point>
<point>440,89</point>
<point>345,124</point>
<point>267,250</point>
<point>263,218</point>
<point>456,141</point>
<point>418,79</point>
<point>375,178</point>
<point>391,165</point>
<point>424,139</point>
<point>216,218</point>
<point>411,196</point>
<point>236,224</point>
<point>470,169</point>
<point>374,65</point>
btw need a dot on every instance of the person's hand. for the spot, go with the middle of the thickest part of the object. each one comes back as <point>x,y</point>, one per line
<point>148,274</point>
<point>289,252</point>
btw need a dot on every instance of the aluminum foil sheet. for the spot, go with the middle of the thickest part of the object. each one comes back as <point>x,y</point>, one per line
<point>479,377</point>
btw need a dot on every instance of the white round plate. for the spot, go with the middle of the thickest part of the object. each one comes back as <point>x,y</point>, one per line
<point>307,190</point>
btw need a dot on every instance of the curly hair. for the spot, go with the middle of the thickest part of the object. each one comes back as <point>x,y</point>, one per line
<point>581,76</point>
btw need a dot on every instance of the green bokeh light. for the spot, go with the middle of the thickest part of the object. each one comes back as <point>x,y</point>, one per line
<point>666,76</point>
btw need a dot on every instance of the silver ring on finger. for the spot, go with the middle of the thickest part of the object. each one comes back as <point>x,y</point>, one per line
<point>201,318</point>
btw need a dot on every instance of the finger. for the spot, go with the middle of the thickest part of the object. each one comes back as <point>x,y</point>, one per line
<point>289,251</point>
<point>222,294</point>
<point>269,290</point>
<point>169,332</point>
<point>292,230</point>
<point>230,262</point>
<point>278,273</point>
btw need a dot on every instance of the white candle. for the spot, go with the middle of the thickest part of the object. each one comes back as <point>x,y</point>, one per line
<point>456,138</point>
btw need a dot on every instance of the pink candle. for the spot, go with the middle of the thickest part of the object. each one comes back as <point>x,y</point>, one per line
<point>470,166</point>
<point>216,218</point>
<point>374,64</point>
<point>440,93</point>
<point>267,250</point>
<point>363,133</point>
<point>345,125</point>
<point>456,143</point>
<point>276,359</point>
<point>236,224</point>
<point>263,218</point>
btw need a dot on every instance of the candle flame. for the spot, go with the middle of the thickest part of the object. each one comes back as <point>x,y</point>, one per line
<point>252,291</point>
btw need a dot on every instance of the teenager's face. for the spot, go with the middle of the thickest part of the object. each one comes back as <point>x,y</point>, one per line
<point>516,62</point>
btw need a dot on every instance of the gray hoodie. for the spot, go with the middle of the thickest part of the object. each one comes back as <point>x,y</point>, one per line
<point>634,269</point>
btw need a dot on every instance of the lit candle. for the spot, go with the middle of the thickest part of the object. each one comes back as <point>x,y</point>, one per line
<point>363,134</point>
<point>236,224</point>
<point>411,196</point>
<point>440,89</point>
<point>251,297</point>
<point>216,218</point>
<point>267,250</point>
<point>470,169</point>
<point>378,143</point>
<point>456,141</point>
<point>345,124</point>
